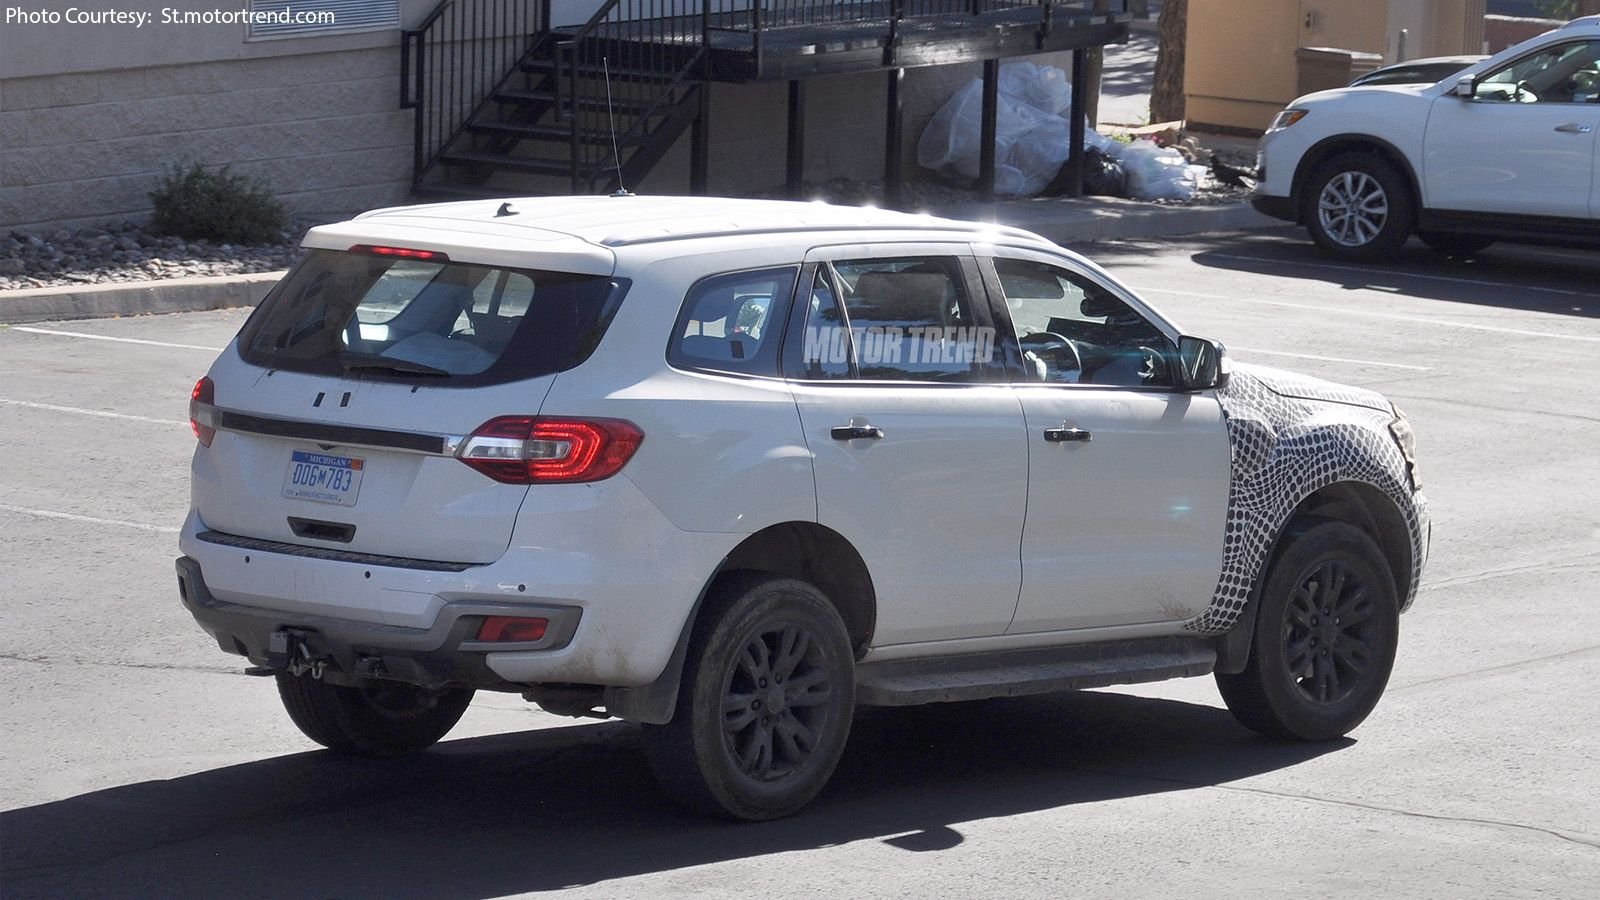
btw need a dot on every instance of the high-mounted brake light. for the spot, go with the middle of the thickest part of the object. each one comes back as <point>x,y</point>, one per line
<point>203,410</point>
<point>536,450</point>
<point>401,253</point>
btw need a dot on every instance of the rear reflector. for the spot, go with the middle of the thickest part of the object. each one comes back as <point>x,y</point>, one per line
<point>508,629</point>
<point>203,410</point>
<point>535,450</point>
<point>401,253</point>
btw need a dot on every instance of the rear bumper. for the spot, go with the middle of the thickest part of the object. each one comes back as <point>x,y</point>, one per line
<point>445,654</point>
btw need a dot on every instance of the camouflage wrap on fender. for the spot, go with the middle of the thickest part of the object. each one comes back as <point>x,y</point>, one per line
<point>1291,436</point>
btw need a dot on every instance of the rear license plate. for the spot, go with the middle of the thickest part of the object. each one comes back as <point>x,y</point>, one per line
<point>323,478</point>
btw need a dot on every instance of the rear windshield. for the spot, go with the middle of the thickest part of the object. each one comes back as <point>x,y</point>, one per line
<point>428,320</point>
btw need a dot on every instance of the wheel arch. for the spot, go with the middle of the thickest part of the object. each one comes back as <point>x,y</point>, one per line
<point>804,550</point>
<point>1354,502</point>
<point>1332,146</point>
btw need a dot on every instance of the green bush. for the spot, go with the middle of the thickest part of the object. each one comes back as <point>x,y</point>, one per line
<point>215,205</point>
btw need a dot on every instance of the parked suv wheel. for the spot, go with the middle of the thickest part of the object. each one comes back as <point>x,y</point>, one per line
<point>1325,637</point>
<point>1359,207</point>
<point>765,704</point>
<point>384,718</point>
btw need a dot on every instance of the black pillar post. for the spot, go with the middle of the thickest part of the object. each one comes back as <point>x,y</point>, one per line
<point>700,143</point>
<point>1080,99</point>
<point>892,138</point>
<point>991,107</point>
<point>797,138</point>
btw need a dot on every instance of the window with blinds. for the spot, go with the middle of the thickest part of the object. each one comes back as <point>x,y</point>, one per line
<point>283,18</point>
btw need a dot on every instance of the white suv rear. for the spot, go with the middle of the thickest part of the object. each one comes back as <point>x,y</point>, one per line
<point>732,468</point>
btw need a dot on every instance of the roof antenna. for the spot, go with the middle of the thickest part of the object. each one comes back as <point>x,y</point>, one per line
<point>611,121</point>
<point>505,210</point>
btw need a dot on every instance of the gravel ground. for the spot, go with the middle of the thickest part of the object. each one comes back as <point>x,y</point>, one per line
<point>125,252</point>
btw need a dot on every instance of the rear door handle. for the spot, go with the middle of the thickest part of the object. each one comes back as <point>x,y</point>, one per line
<point>1065,435</point>
<point>856,432</point>
<point>1574,128</point>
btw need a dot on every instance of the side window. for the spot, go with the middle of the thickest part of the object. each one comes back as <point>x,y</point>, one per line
<point>910,319</point>
<point>1073,330</point>
<point>1566,73</point>
<point>733,322</point>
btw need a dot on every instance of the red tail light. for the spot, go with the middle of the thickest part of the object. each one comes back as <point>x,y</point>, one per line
<point>533,450</point>
<point>203,410</point>
<point>509,629</point>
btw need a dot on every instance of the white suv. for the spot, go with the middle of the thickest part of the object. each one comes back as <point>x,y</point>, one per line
<point>1504,150</point>
<point>732,468</point>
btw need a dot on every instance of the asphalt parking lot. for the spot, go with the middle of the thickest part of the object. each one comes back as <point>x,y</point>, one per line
<point>135,759</point>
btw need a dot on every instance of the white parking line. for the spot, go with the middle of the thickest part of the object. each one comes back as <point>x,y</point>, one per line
<point>78,410</point>
<point>119,340</point>
<point>92,520</point>
<point>1342,359</point>
<point>1393,317</point>
<point>1401,274</point>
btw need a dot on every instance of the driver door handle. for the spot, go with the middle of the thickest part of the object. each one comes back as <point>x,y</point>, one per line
<point>855,432</point>
<point>1065,435</point>
<point>1574,128</point>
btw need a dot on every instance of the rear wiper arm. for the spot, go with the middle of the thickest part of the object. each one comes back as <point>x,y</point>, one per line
<point>353,361</point>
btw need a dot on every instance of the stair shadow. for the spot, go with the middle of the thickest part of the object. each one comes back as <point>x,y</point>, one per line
<point>562,807</point>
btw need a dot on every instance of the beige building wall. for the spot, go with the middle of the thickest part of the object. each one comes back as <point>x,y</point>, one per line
<point>1241,67</point>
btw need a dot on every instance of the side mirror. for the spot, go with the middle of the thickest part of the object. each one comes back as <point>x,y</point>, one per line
<point>1202,364</point>
<point>1466,87</point>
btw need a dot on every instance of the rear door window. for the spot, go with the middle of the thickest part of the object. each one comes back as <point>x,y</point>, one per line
<point>428,319</point>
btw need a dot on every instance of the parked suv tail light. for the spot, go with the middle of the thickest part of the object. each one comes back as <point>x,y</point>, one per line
<point>203,410</point>
<point>537,450</point>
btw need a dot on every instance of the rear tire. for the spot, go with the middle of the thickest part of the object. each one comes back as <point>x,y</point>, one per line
<point>382,718</point>
<point>765,704</point>
<point>1358,207</point>
<point>1325,637</point>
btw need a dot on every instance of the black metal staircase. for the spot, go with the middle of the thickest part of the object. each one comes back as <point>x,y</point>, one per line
<point>507,102</point>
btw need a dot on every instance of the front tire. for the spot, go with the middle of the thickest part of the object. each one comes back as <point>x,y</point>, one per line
<point>1359,207</point>
<point>1325,637</point>
<point>382,718</point>
<point>765,704</point>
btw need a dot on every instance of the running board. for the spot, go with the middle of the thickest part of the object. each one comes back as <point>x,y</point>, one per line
<point>1014,673</point>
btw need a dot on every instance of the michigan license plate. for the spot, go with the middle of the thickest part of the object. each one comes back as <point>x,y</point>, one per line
<point>323,478</point>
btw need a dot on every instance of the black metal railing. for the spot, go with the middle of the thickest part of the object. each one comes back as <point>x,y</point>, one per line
<point>620,73</point>
<point>452,64</point>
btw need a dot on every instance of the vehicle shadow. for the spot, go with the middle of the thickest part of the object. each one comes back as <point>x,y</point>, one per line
<point>1510,276</point>
<point>563,807</point>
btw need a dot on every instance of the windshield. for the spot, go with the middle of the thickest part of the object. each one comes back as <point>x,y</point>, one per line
<point>428,320</point>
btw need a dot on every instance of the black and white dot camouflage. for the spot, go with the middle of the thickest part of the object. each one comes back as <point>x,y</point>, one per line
<point>1290,440</point>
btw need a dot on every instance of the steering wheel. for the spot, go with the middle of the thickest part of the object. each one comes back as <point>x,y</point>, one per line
<point>1057,351</point>
<point>1157,367</point>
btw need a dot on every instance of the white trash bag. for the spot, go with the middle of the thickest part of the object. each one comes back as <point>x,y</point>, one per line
<point>1030,144</point>
<point>1041,87</point>
<point>1159,173</point>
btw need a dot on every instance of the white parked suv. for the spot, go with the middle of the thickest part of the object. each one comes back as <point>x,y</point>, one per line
<point>731,469</point>
<point>1504,150</point>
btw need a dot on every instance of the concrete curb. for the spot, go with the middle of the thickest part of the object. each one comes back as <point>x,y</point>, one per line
<point>95,301</point>
<point>1068,221</point>
<point>1065,221</point>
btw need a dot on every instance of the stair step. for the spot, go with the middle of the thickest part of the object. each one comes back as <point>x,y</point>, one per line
<point>534,165</point>
<point>1018,672</point>
<point>619,104</point>
<point>540,132</point>
<point>618,73</point>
